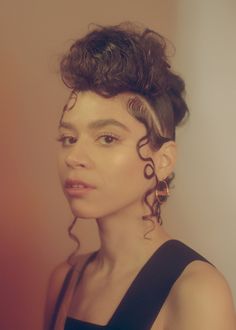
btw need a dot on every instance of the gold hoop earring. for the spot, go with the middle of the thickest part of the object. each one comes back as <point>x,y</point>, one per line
<point>162,192</point>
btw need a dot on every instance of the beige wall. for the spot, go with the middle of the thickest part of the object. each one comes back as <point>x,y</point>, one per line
<point>202,209</point>
<point>35,214</point>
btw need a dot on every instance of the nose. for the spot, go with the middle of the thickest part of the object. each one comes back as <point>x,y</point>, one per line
<point>77,156</point>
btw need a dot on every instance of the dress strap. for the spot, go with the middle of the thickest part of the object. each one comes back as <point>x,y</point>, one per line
<point>65,295</point>
<point>152,286</point>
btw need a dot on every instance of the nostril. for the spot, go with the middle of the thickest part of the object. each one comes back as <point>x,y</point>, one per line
<point>74,162</point>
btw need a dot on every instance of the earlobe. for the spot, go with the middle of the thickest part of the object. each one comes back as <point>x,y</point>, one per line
<point>165,159</point>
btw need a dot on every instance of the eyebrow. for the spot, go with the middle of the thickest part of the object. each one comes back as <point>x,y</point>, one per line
<point>100,123</point>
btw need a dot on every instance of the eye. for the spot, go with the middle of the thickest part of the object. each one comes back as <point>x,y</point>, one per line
<point>108,138</point>
<point>63,138</point>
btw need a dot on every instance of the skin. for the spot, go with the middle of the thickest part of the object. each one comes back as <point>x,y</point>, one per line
<point>109,165</point>
<point>115,169</point>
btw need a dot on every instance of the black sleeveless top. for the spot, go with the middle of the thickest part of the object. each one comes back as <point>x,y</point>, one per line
<point>144,298</point>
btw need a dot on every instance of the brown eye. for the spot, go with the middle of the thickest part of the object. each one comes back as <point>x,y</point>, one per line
<point>108,138</point>
<point>64,138</point>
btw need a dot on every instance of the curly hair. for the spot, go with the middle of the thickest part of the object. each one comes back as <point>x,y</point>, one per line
<point>111,60</point>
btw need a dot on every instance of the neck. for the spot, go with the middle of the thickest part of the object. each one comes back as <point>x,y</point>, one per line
<point>123,241</point>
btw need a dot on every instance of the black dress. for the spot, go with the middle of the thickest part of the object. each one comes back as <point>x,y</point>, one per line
<point>144,298</point>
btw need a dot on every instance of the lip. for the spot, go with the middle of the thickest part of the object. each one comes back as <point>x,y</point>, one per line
<point>70,182</point>
<point>77,192</point>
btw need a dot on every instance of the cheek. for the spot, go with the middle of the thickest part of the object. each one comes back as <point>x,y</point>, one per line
<point>124,166</point>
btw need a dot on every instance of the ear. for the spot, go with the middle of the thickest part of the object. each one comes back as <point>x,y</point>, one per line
<point>165,159</point>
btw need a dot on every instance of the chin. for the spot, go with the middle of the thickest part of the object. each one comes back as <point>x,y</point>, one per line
<point>83,214</point>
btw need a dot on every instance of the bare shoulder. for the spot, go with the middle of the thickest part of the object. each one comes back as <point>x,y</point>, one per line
<point>55,283</point>
<point>201,299</point>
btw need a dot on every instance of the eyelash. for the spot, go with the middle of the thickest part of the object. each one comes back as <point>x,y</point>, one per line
<point>64,137</point>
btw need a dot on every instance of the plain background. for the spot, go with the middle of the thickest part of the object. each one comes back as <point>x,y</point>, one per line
<point>35,214</point>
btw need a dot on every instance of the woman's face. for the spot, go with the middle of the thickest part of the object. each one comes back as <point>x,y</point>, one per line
<point>103,155</point>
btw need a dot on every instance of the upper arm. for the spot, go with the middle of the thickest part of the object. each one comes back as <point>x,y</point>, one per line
<point>203,301</point>
<point>55,283</point>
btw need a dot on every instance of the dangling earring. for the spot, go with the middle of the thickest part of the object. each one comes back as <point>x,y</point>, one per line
<point>162,192</point>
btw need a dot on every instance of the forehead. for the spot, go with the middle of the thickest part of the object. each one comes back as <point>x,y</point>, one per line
<point>85,107</point>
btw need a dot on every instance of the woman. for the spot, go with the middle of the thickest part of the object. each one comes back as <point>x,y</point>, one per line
<point>116,161</point>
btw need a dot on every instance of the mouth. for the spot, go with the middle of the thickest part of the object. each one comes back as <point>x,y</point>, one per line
<point>77,191</point>
<point>77,188</point>
<point>77,184</point>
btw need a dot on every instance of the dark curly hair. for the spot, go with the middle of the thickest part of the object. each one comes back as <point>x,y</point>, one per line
<point>111,60</point>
